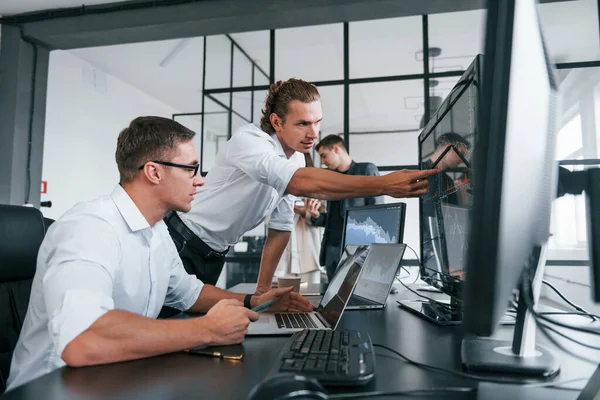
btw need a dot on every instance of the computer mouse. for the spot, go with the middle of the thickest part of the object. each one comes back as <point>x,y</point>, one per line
<point>288,386</point>
<point>393,290</point>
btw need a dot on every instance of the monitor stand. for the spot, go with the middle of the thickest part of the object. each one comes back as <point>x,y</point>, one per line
<point>521,356</point>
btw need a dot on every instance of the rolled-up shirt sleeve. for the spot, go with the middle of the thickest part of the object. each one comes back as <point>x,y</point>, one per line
<point>78,282</point>
<point>257,157</point>
<point>184,288</point>
<point>282,218</point>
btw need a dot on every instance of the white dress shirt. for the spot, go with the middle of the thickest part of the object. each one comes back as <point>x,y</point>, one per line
<point>99,256</point>
<point>246,184</point>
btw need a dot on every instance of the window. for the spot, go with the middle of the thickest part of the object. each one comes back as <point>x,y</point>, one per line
<point>385,47</point>
<point>384,121</point>
<point>571,30</point>
<point>312,53</point>
<point>459,38</point>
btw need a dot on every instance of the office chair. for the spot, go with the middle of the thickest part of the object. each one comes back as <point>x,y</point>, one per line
<point>22,230</point>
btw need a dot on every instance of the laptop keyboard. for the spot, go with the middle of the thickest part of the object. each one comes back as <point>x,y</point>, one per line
<point>294,320</point>
<point>342,358</point>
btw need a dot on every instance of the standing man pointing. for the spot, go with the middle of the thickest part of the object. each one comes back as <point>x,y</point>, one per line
<point>257,174</point>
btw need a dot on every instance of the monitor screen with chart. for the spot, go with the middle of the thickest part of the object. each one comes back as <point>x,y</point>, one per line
<point>382,223</point>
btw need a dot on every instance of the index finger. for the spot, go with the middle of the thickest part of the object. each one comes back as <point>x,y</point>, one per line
<point>424,173</point>
<point>299,297</point>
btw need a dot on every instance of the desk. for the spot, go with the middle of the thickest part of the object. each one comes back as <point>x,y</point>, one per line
<point>183,376</point>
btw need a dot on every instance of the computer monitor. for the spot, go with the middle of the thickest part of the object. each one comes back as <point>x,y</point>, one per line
<point>382,223</point>
<point>514,182</point>
<point>447,143</point>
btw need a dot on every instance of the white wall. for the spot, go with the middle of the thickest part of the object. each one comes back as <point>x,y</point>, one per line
<point>86,109</point>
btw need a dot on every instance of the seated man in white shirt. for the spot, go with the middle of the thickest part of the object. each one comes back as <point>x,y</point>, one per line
<point>254,176</point>
<point>107,266</point>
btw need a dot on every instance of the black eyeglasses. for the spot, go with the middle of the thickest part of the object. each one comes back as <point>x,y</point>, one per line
<point>194,167</point>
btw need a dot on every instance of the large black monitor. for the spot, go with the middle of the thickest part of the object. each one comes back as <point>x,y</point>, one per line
<point>382,223</point>
<point>514,178</point>
<point>447,142</point>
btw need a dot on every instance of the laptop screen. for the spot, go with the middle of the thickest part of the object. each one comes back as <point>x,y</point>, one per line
<point>379,271</point>
<point>341,286</point>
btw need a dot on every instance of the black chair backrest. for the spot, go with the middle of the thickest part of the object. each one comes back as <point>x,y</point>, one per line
<point>22,230</point>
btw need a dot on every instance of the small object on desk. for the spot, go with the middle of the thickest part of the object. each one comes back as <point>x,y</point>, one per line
<point>287,281</point>
<point>240,247</point>
<point>394,290</point>
<point>232,352</point>
<point>264,306</point>
<point>429,289</point>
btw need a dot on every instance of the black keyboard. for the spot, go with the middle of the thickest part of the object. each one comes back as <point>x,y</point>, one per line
<point>294,320</point>
<point>335,358</point>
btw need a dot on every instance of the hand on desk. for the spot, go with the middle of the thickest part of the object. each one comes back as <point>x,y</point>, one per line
<point>228,321</point>
<point>285,300</point>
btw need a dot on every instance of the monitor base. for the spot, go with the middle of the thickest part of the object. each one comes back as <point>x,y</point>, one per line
<point>485,355</point>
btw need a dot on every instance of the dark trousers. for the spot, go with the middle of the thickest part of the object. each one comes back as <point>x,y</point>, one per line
<point>195,261</point>
<point>207,269</point>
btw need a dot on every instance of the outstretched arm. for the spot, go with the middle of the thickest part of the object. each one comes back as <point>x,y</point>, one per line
<point>329,185</point>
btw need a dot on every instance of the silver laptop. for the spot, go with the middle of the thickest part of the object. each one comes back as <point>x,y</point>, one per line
<point>330,309</point>
<point>377,277</point>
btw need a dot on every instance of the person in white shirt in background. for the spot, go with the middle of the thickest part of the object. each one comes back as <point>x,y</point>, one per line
<point>300,257</point>
<point>107,266</point>
<point>257,173</point>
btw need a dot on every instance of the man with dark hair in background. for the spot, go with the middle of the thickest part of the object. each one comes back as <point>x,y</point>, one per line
<point>254,175</point>
<point>334,155</point>
<point>445,159</point>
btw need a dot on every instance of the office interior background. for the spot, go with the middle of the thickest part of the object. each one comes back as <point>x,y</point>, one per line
<point>379,81</point>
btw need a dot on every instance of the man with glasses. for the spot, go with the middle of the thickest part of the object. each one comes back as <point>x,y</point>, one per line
<point>107,266</point>
<point>256,176</point>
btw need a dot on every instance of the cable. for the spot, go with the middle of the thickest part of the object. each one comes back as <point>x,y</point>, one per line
<point>544,328</point>
<point>528,298</point>
<point>465,375</point>
<point>403,393</point>
<point>418,263</point>
<point>569,302</point>
<point>31,109</point>
<point>457,279</point>
<point>568,313</point>
<point>567,280</point>
<point>557,385</point>
<point>446,306</point>
<point>589,346</point>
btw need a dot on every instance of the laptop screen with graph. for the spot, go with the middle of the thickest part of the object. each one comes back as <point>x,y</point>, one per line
<point>383,223</point>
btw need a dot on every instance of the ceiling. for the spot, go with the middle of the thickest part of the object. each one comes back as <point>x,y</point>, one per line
<point>12,7</point>
<point>171,70</point>
<point>312,53</point>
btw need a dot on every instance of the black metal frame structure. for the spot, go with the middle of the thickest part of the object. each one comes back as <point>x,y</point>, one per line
<point>140,21</point>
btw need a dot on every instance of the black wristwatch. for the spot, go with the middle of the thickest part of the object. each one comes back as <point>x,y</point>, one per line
<point>247,299</point>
